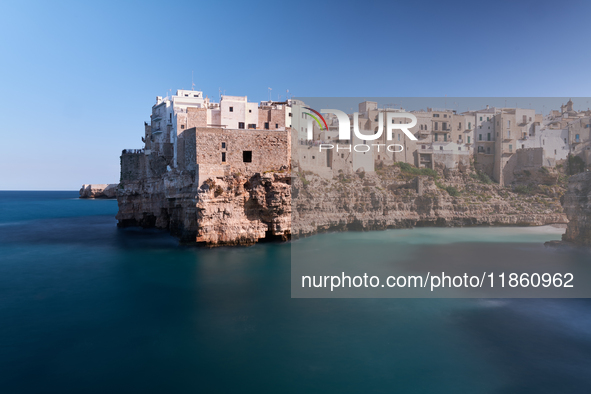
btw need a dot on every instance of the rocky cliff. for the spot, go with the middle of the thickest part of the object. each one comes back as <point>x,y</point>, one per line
<point>229,210</point>
<point>398,198</point>
<point>99,191</point>
<point>577,206</point>
<point>243,210</point>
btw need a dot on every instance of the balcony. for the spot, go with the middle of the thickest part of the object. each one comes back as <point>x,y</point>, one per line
<point>156,118</point>
<point>157,131</point>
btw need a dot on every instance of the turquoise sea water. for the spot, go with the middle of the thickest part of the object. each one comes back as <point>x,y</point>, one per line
<point>86,307</point>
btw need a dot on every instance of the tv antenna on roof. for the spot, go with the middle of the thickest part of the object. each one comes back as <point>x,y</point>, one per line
<point>270,94</point>
<point>192,83</point>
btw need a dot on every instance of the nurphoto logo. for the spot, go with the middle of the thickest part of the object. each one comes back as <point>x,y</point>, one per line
<point>344,128</point>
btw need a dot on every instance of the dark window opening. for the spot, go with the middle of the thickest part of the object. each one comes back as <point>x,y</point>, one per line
<point>247,156</point>
<point>266,125</point>
<point>223,157</point>
<point>250,111</point>
<point>240,125</point>
<point>252,126</point>
<point>223,145</point>
<point>182,126</point>
<point>231,109</point>
<point>276,125</point>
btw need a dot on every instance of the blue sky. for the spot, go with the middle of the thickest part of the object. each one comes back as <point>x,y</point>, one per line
<point>78,79</point>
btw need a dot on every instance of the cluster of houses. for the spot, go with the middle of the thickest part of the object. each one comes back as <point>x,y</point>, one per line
<point>498,141</point>
<point>190,133</point>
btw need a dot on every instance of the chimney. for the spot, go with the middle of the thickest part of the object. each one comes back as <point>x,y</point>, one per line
<point>158,99</point>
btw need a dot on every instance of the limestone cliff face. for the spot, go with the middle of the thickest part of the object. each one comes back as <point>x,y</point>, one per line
<point>382,202</point>
<point>230,210</point>
<point>577,205</point>
<point>242,210</point>
<point>99,191</point>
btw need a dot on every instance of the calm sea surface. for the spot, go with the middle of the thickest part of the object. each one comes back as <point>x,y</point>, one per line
<point>89,308</point>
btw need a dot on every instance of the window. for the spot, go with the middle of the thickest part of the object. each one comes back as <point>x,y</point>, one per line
<point>436,126</point>
<point>508,123</point>
<point>577,138</point>
<point>250,111</point>
<point>459,148</point>
<point>290,114</point>
<point>247,156</point>
<point>266,125</point>
<point>445,115</point>
<point>444,126</point>
<point>231,109</point>
<point>240,125</point>
<point>481,118</point>
<point>436,136</point>
<point>445,137</point>
<point>460,126</point>
<point>510,148</point>
<point>488,151</point>
<point>468,139</point>
<point>313,157</point>
<point>435,115</point>
<point>487,118</point>
<point>223,145</point>
<point>522,146</point>
<point>223,157</point>
<point>276,125</point>
<point>252,126</point>
<point>508,133</point>
<point>488,136</point>
<point>554,151</point>
<point>342,155</point>
<point>182,126</point>
<point>469,125</point>
<point>479,137</point>
<point>441,148</point>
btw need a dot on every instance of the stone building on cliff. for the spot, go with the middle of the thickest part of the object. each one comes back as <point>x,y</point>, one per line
<point>212,173</point>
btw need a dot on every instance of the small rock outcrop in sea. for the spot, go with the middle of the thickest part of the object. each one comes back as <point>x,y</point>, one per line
<point>99,191</point>
<point>577,206</point>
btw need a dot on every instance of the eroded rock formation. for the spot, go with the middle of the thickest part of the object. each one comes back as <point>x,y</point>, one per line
<point>99,191</point>
<point>577,206</point>
<point>229,210</point>
<point>393,199</point>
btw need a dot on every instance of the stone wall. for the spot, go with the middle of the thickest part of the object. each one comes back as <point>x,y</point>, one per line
<point>196,117</point>
<point>530,157</point>
<point>274,117</point>
<point>269,150</point>
<point>132,166</point>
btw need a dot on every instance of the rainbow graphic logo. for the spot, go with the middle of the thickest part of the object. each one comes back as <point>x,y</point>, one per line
<point>316,119</point>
